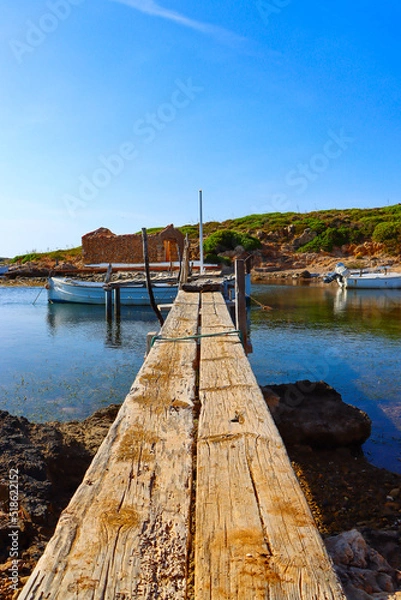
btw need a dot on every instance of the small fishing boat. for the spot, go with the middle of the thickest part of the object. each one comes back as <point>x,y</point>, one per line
<point>65,289</point>
<point>380,278</point>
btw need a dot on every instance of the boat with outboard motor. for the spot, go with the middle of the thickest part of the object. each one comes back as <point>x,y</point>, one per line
<point>379,278</point>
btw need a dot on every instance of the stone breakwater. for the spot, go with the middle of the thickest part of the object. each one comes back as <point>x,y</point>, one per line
<point>356,506</point>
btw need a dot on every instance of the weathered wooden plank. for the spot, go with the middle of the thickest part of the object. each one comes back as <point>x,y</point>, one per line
<point>255,535</point>
<point>125,533</point>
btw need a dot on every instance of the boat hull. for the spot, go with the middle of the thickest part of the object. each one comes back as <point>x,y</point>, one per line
<point>64,290</point>
<point>371,282</point>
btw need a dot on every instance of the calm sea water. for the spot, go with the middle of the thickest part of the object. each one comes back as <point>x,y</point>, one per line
<point>350,339</point>
<point>63,361</point>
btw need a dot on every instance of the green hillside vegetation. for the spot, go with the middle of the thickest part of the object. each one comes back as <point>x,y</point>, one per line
<point>333,228</point>
<point>55,255</point>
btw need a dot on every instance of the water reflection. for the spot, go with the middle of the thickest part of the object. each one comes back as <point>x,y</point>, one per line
<point>63,318</point>
<point>367,301</point>
<point>65,361</point>
<point>67,315</point>
<point>375,311</point>
<point>349,338</point>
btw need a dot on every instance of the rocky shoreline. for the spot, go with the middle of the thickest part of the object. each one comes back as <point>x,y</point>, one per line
<point>356,505</point>
<point>277,259</point>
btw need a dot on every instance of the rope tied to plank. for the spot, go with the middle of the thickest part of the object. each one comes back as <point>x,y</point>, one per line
<point>263,306</point>
<point>198,336</point>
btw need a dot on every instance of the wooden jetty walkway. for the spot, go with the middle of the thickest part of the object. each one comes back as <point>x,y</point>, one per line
<point>191,494</point>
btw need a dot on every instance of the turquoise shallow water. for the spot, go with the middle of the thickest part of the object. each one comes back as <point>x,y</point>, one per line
<point>63,361</point>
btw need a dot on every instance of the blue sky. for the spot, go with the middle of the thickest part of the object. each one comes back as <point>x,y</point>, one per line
<point>115,113</point>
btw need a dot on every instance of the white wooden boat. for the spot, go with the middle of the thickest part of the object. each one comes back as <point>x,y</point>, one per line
<point>380,278</point>
<point>65,289</point>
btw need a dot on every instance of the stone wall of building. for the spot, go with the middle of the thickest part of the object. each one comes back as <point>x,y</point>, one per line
<point>104,246</point>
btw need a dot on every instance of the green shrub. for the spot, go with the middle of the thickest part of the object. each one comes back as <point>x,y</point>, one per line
<point>327,240</point>
<point>24,258</point>
<point>368,224</point>
<point>248,242</point>
<point>314,224</point>
<point>394,211</point>
<point>389,234</point>
<point>228,239</point>
<point>387,231</point>
<point>214,259</point>
<point>191,230</point>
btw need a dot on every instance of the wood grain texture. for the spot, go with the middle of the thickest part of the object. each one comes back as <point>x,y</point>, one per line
<point>125,533</point>
<point>255,535</point>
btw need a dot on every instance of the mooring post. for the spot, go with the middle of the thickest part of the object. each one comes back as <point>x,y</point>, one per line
<point>117,302</point>
<point>109,303</point>
<point>184,273</point>
<point>148,281</point>
<point>240,301</point>
<point>149,339</point>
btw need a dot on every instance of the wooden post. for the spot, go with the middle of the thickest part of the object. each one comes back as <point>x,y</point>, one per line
<point>149,337</point>
<point>184,274</point>
<point>147,273</point>
<point>201,269</point>
<point>117,302</point>
<point>108,273</point>
<point>109,303</point>
<point>240,302</point>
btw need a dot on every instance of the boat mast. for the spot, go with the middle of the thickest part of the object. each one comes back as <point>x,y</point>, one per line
<point>200,234</point>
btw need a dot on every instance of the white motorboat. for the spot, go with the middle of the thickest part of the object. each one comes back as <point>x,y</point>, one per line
<point>380,278</point>
<point>65,289</point>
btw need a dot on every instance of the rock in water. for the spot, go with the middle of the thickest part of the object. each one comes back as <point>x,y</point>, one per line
<point>313,413</point>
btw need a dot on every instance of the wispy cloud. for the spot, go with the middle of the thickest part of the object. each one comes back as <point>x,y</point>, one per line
<point>150,7</point>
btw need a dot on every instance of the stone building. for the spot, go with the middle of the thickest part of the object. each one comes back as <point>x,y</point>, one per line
<point>104,246</point>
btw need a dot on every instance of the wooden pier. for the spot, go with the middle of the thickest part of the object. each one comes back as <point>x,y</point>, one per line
<point>191,494</point>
